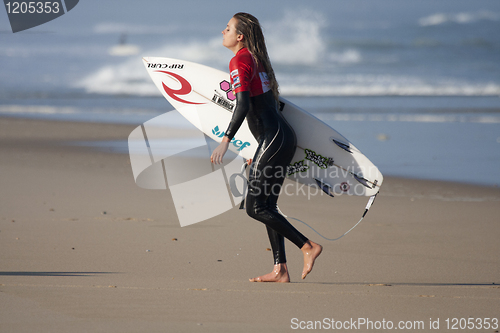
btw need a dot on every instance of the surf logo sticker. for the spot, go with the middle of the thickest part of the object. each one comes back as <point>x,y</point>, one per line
<point>25,15</point>
<point>321,161</point>
<point>237,143</point>
<point>185,88</point>
<point>235,78</point>
<point>266,84</point>
<point>161,66</point>
<point>220,100</point>
<point>226,87</point>
<point>298,166</point>
<point>344,187</point>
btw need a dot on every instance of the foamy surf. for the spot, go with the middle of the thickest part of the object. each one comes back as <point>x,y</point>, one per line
<point>459,18</point>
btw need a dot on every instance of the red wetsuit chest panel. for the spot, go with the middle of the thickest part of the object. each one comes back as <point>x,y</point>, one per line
<point>246,75</point>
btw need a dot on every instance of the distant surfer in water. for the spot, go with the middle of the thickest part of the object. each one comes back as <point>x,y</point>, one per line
<point>256,91</point>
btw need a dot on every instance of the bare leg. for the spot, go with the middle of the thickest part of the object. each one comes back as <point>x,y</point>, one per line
<point>279,274</point>
<point>311,251</point>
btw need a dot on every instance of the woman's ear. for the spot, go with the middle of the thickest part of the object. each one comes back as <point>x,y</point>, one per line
<point>240,38</point>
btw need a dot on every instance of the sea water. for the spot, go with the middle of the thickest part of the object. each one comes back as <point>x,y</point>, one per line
<point>415,85</point>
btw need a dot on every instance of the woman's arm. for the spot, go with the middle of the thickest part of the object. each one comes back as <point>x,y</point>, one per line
<point>239,114</point>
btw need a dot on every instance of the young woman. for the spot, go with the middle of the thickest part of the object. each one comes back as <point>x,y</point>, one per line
<point>256,91</point>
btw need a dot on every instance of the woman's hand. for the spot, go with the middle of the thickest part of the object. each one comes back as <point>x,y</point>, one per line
<point>220,151</point>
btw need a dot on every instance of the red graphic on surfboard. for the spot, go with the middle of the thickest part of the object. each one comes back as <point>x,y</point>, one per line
<point>185,88</point>
<point>345,186</point>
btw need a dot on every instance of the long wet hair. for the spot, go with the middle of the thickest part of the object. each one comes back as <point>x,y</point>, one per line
<point>254,41</point>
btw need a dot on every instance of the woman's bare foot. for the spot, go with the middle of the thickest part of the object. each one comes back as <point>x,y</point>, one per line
<point>311,251</point>
<point>279,274</point>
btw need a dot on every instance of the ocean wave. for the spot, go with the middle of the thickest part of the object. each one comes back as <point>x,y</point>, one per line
<point>304,65</point>
<point>126,78</point>
<point>293,40</point>
<point>414,118</point>
<point>381,85</point>
<point>392,89</point>
<point>180,122</point>
<point>16,109</point>
<point>130,78</point>
<point>132,29</point>
<point>459,18</point>
<point>296,39</point>
<point>350,56</point>
<point>36,109</point>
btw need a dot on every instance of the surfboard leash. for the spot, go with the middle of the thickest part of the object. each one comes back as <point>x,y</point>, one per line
<point>242,206</point>
<point>368,206</point>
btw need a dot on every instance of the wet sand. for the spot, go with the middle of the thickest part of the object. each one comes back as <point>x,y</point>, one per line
<point>83,248</point>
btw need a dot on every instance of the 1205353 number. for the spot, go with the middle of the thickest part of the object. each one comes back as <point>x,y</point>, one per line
<point>471,323</point>
<point>32,7</point>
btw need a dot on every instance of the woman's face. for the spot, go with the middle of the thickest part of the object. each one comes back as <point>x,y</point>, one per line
<point>231,39</point>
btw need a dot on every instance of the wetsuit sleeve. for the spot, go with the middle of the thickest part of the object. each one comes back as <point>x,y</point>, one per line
<point>239,114</point>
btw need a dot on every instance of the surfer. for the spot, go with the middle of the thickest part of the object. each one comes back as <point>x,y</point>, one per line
<point>256,90</point>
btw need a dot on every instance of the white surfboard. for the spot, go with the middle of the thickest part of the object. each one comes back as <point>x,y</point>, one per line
<point>323,157</point>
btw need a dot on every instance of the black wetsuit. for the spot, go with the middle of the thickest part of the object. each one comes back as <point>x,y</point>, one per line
<point>277,144</point>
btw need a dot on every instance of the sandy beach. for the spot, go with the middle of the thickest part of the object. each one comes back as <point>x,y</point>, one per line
<point>84,249</point>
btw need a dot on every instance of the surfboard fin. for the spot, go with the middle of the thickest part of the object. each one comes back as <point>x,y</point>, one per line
<point>281,106</point>
<point>363,181</point>
<point>327,188</point>
<point>234,189</point>
<point>370,203</point>
<point>342,145</point>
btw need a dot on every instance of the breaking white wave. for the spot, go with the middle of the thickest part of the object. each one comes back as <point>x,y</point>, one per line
<point>296,39</point>
<point>126,78</point>
<point>293,40</point>
<point>350,56</point>
<point>460,18</point>
<point>130,78</point>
